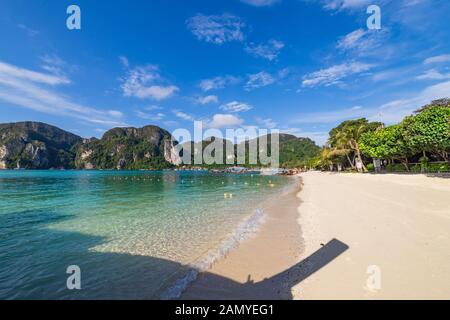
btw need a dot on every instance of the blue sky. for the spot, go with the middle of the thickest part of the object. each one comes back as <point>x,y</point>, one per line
<point>301,66</point>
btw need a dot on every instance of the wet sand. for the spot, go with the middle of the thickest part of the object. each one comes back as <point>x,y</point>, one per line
<point>361,237</point>
<point>254,270</point>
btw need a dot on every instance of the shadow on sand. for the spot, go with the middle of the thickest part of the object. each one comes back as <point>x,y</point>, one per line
<point>279,286</point>
<point>34,258</point>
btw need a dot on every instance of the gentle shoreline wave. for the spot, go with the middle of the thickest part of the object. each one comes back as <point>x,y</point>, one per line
<point>248,227</point>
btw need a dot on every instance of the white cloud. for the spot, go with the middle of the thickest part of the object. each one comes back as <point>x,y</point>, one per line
<point>26,88</point>
<point>438,59</point>
<point>124,61</point>
<point>171,123</point>
<point>283,73</point>
<point>140,83</point>
<point>183,116</point>
<point>115,113</point>
<point>409,3</point>
<point>269,50</point>
<point>152,117</point>
<point>260,3</point>
<point>335,74</point>
<point>395,111</point>
<point>390,112</point>
<point>404,74</point>
<point>330,116</point>
<point>345,4</point>
<point>54,65</point>
<point>225,121</point>
<point>217,83</point>
<point>266,123</point>
<point>31,32</point>
<point>362,41</point>
<point>25,74</point>
<point>217,29</point>
<point>351,40</point>
<point>236,106</point>
<point>152,108</point>
<point>207,99</point>
<point>433,74</point>
<point>155,92</point>
<point>258,80</point>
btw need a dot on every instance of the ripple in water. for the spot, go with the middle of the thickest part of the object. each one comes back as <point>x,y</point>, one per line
<point>135,235</point>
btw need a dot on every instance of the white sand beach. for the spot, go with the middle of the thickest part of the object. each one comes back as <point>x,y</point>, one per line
<point>399,223</point>
<point>394,225</point>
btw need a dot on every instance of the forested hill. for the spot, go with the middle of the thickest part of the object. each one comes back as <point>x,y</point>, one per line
<point>36,145</point>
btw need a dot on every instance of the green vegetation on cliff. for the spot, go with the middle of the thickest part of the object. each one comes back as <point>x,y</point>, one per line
<point>127,148</point>
<point>35,145</point>
<point>293,151</point>
<point>296,152</point>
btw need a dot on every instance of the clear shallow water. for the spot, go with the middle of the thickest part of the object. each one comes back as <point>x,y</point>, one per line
<point>134,234</point>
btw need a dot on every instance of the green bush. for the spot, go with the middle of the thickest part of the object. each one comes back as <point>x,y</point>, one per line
<point>417,168</point>
<point>396,167</point>
<point>370,167</point>
<point>438,167</point>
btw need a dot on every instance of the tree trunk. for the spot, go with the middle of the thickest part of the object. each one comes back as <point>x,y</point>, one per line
<point>405,163</point>
<point>350,161</point>
<point>424,162</point>
<point>359,157</point>
<point>444,156</point>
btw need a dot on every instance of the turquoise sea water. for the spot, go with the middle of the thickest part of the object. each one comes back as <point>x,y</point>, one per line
<point>134,234</point>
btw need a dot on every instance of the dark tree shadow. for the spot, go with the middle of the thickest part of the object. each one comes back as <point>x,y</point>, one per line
<point>445,175</point>
<point>33,265</point>
<point>279,286</point>
<point>441,175</point>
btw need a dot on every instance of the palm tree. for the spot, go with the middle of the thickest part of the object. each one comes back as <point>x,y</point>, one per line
<point>338,142</point>
<point>345,138</point>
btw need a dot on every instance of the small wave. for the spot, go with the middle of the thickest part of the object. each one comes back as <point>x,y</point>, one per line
<point>248,227</point>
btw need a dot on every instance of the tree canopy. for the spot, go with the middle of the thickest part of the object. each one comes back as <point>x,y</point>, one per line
<point>426,132</point>
<point>346,136</point>
<point>385,143</point>
<point>429,131</point>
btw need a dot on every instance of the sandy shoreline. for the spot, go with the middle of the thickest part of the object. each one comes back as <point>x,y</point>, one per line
<point>398,225</point>
<point>252,270</point>
<point>361,237</point>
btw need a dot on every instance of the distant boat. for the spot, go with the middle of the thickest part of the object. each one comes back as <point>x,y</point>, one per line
<point>273,171</point>
<point>236,170</point>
